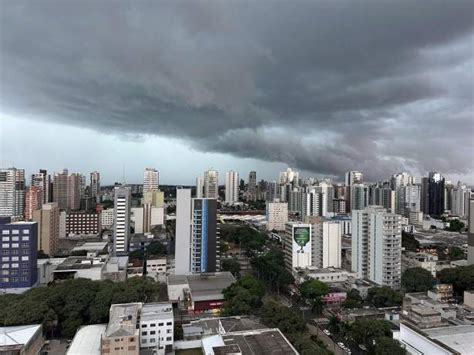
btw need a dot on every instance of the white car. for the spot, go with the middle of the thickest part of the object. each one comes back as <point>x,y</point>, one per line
<point>341,345</point>
<point>327,332</point>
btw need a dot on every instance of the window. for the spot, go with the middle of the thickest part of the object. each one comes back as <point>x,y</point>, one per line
<point>25,238</point>
<point>152,332</point>
<point>15,239</point>
<point>169,323</point>
<point>5,272</point>
<point>15,266</point>
<point>168,331</point>
<point>6,258</point>
<point>168,338</point>
<point>23,258</point>
<point>5,266</point>
<point>160,324</point>
<point>143,341</point>
<point>15,231</point>
<point>153,325</point>
<point>144,325</point>
<point>15,279</point>
<point>25,251</point>
<point>5,232</point>
<point>15,245</point>
<point>5,252</point>
<point>25,244</point>
<point>5,239</point>
<point>152,340</point>
<point>5,245</point>
<point>15,272</point>
<point>26,231</point>
<point>144,333</point>
<point>15,258</point>
<point>14,251</point>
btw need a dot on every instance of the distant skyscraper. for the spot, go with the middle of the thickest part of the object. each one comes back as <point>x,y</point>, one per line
<point>199,187</point>
<point>33,201</point>
<point>19,254</point>
<point>95,185</point>
<point>151,180</point>
<point>48,227</point>
<point>67,190</point>
<point>231,187</point>
<point>376,246</point>
<point>12,192</point>
<point>359,196</point>
<point>183,232</point>
<point>252,186</point>
<point>460,200</point>
<point>122,200</point>
<point>211,184</point>
<point>436,184</point>
<point>277,215</point>
<point>470,228</point>
<point>408,199</point>
<point>289,177</point>
<point>43,181</point>
<point>351,178</point>
<point>76,190</point>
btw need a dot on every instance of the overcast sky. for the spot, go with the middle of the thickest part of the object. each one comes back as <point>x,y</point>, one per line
<point>325,87</point>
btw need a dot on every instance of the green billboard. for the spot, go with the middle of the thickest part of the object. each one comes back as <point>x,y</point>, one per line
<point>301,236</point>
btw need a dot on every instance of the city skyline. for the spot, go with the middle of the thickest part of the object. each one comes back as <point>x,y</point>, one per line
<point>212,84</point>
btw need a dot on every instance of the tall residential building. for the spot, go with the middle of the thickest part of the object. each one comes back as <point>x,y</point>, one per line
<point>359,196</point>
<point>326,243</point>
<point>351,178</point>
<point>204,236</point>
<point>12,192</point>
<point>19,252</point>
<point>95,185</point>
<point>33,201</point>
<point>61,189</point>
<point>151,180</point>
<point>231,187</point>
<point>436,185</point>
<point>297,245</point>
<point>43,181</point>
<point>402,179</point>
<point>312,203</point>
<point>48,227</point>
<point>408,199</point>
<point>382,195</point>
<point>122,201</point>
<point>154,198</point>
<point>289,177</point>
<point>460,200</point>
<point>470,235</point>
<point>376,246</point>
<point>199,187</point>
<point>76,190</point>
<point>252,186</point>
<point>211,184</point>
<point>183,232</point>
<point>277,215</point>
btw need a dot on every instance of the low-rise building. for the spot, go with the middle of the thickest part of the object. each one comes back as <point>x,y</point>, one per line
<point>135,268</point>
<point>157,267</point>
<point>156,326</point>
<point>426,261</point>
<point>327,275</point>
<point>87,340</point>
<point>83,223</point>
<point>21,340</point>
<point>107,218</point>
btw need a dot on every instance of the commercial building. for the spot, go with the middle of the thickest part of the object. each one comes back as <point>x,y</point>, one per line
<point>408,199</point>
<point>183,231</point>
<point>95,185</point>
<point>376,246</point>
<point>231,187</point>
<point>151,180</point>
<point>21,340</point>
<point>201,293</point>
<point>277,215</point>
<point>33,201</point>
<point>147,216</point>
<point>83,223</point>
<point>12,192</point>
<point>155,198</point>
<point>122,202</point>
<point>122,335</point>
<point>157,268</point>
<point>48,227</point>
<point>19,254</point>
<point>326,244</point>
<point>156,326</point>
<point>297,245</point>
<point>433,194</point>
<point>211,184</point>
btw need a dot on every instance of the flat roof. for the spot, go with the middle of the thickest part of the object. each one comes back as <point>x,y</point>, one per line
<point>79,263</point>
<point>263,341</point>
<point>160,310</point>
<point>123,319</point>
<point>91,246</point>
<point>17,335</point>
<point>204,286</point>
<point>459,337</point>
<point>87,340</point>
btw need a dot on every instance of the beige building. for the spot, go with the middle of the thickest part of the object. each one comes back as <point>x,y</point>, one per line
<point>122,335</point>
<point>48,227</point>
<point>277,215</point>
<point>154,198</point>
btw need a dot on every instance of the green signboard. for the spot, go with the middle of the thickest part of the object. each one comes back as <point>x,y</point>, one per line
<point>301,236</point>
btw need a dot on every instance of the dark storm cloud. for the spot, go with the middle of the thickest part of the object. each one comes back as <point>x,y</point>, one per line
<point>323,86</point>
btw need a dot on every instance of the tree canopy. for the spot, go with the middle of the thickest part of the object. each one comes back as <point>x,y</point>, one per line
<point>455,225</point>
<point>231,265</point>
<point>417,279</point>
<point>462,278</point>
<point>364,331</point>
<point>384,297</point>
<point>409,241</point>
<point>270,267</point>
<point>243,296</point>
<point>388,345</point>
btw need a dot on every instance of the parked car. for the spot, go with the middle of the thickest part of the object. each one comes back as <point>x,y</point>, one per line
<point>327,332</point>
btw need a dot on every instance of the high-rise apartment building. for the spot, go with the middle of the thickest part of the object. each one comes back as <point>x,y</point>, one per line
<point>231,187</point>
<point>289,176</point>
<point>312,203</point>
<point>154,198</point>
<point>277,215</point>
<point>204,236</point>
<point>252,186</point>
<point>211,184</point>
<point>470,231</point>
<point>359,196</point>
<point>67,190</point>
<point>76,190</point>
<point>326,244</point>
<point>33,201</point>
<point>183,232</point>
<point>12,192</point>
<point>95,185</point>
<point>433,194</point>
<point>122,201</point>
<point>48,227</point>
<point>199,187</point>
<point>408,199</point>
<point>460,200</point>
<point>151,180</point>
<point>402,179</point>
<point>351,178</point>
<point>43,181</point>
<point>19,254</point>
<point>297,245</point>
<point>376,246</point>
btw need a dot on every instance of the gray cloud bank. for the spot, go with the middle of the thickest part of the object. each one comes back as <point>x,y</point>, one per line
<point>378,86</point>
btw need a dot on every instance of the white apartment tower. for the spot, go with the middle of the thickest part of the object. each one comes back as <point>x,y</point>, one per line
<point>12,192</point>
<point>43,181</point>
<point>95,184</point>
<point>199,187</point>
<point>327,244</point>
<point>211,184</point>
<point>376,246</point>
<point>151,180</point>
<point>277,215</point>
<point>183,232</point>
<point>231,187</point>
<point>122,219</point>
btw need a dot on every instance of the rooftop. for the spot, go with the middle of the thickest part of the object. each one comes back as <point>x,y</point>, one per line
<point>152,311</point>
<point>91,246</point>
<point>123,319</point>
<point>204,286</point>
<point>263,341</point>
<point>17,335</point>
<point>87,340</point>
<point>457,337</point>
<point>80,262</point>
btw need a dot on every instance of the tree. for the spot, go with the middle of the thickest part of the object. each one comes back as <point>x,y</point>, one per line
<point>384,297</point>
<point>417,279</point>
<point>364,331</point>
<point>387,345</point>
<point>270,267</point>
<point>42,255</point>
<point>409,241</point>
<point>243,296</point>
<point>353,300</point>
<point>456,253</point>
<point>136,254</point>
<point>462,278</point>
<point>231,265</point>
<point>275,315</point>
<point>455,225</point>
<point>155,248</point>
<point>312,291</point>
<point>335,325</point>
